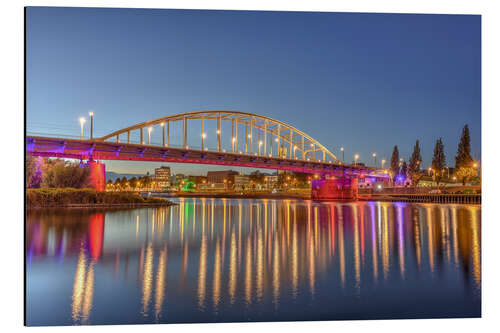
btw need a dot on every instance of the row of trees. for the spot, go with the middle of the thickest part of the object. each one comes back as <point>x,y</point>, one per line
<point>131,184</point>
<point>464,164</point>
<point>55,173</point>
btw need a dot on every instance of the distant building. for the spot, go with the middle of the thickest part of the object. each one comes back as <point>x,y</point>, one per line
<point>241,182</point>
<point>224,178</point>
<point>271,181</point>
<point>178,178</point>
<point>200,181</point>
<point>162,177</point>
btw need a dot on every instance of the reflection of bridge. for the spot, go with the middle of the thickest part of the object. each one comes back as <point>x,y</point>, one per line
<point>263,143</point>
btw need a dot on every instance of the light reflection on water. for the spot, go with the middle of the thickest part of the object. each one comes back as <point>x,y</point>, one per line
<point>208,260</point>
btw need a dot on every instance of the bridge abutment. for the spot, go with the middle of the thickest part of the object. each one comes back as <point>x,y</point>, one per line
<point>344,188</point>
<point>97,175</point>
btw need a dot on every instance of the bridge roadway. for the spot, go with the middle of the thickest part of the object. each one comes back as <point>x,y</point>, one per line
<point>104,150</point>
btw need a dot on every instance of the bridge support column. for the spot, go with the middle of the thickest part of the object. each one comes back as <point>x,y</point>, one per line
<point>97,175</point>
<point>334,189</point>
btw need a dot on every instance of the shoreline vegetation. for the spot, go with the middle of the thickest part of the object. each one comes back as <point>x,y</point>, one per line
<point>87,197</point>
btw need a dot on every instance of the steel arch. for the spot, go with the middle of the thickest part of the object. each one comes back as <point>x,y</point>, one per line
<point>296,139</point>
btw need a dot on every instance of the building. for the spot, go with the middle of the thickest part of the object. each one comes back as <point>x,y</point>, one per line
<point>225,178</point>
<point>241,182</point>
<point>177,178</point>
<point>271,181</point>
<point>162,177</point>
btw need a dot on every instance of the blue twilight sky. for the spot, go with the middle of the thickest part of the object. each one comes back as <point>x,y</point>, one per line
<point>362,81</point>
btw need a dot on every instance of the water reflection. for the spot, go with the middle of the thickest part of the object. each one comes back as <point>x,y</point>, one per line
<point>216,259</point>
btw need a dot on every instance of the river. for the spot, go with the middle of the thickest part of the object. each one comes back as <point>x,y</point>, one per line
<point>218,260</point>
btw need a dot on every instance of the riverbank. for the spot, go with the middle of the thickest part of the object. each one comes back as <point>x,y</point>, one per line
<point>240,195</point>
<point>474,199</point>
<point>88,198</point>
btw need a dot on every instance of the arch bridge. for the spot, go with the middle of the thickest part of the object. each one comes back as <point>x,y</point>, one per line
<point>231,138</point>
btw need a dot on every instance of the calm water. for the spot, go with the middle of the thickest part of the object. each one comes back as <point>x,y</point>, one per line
<point>215,260</point>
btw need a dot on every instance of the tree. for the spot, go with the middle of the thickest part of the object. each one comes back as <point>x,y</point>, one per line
<point>395,163</point>
<point>257,177</point>
<point>465,173</point>
<point>133,182</point>
<point>414,167</point>
<point>404,170</point>
<point>58,173</point>
<point>463,157</point>
<point>438,160</point>
<point>33,171</point>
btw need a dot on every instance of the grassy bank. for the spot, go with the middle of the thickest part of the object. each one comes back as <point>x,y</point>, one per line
<point>65,197</point>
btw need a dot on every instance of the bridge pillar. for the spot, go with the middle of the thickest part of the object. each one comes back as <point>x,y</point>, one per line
<point>97,175</point>
<point>335,189</point>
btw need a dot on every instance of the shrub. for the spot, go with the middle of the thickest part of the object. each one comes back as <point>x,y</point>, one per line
<point>52,197</point>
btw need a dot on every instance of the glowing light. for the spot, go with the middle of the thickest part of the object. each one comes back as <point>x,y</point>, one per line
<point>91,113</point>
<point>162,124</point>
<point>260,143</point>
<point>341,148</point>
<point>218,131</point>
<point>204,135</point>
<point>249,136</point>
<point>82,120</point>
<point>234,139</point>
<point>277,140</point>
<point>374,154</point>
<point>150,129</point>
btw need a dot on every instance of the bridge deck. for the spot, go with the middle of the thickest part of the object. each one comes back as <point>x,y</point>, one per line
<point>102,150</point>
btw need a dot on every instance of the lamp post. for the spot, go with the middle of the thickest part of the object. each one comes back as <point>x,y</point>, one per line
<point>375,160</point>
<point>342,150</point>
<point>82,121</point>
<point>476,166</point>
<point>91,114</point>
<point>356,159</point>
<point>383,162</point>
<point>203,136</point>
<point>150,129</point>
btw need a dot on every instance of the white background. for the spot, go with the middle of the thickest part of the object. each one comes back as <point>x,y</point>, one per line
<point>12,147</point>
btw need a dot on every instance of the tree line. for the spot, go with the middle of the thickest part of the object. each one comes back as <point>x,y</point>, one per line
<point>55,173</point>
<point>464,163</point>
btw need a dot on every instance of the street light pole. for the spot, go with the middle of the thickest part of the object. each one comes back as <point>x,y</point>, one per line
<point>375,160</point>
<point>342,150</point>
<point>91,114</point>
<point>356,159</point>
<point>82,121</point>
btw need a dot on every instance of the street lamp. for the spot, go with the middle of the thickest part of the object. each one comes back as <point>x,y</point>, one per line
<point>91,114</point>
<point>375,159</point>
<point>150,129</point>
<point>82,121</point>
<point>342,150</point>
<point>383,162</point>
<point>356,159</point>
